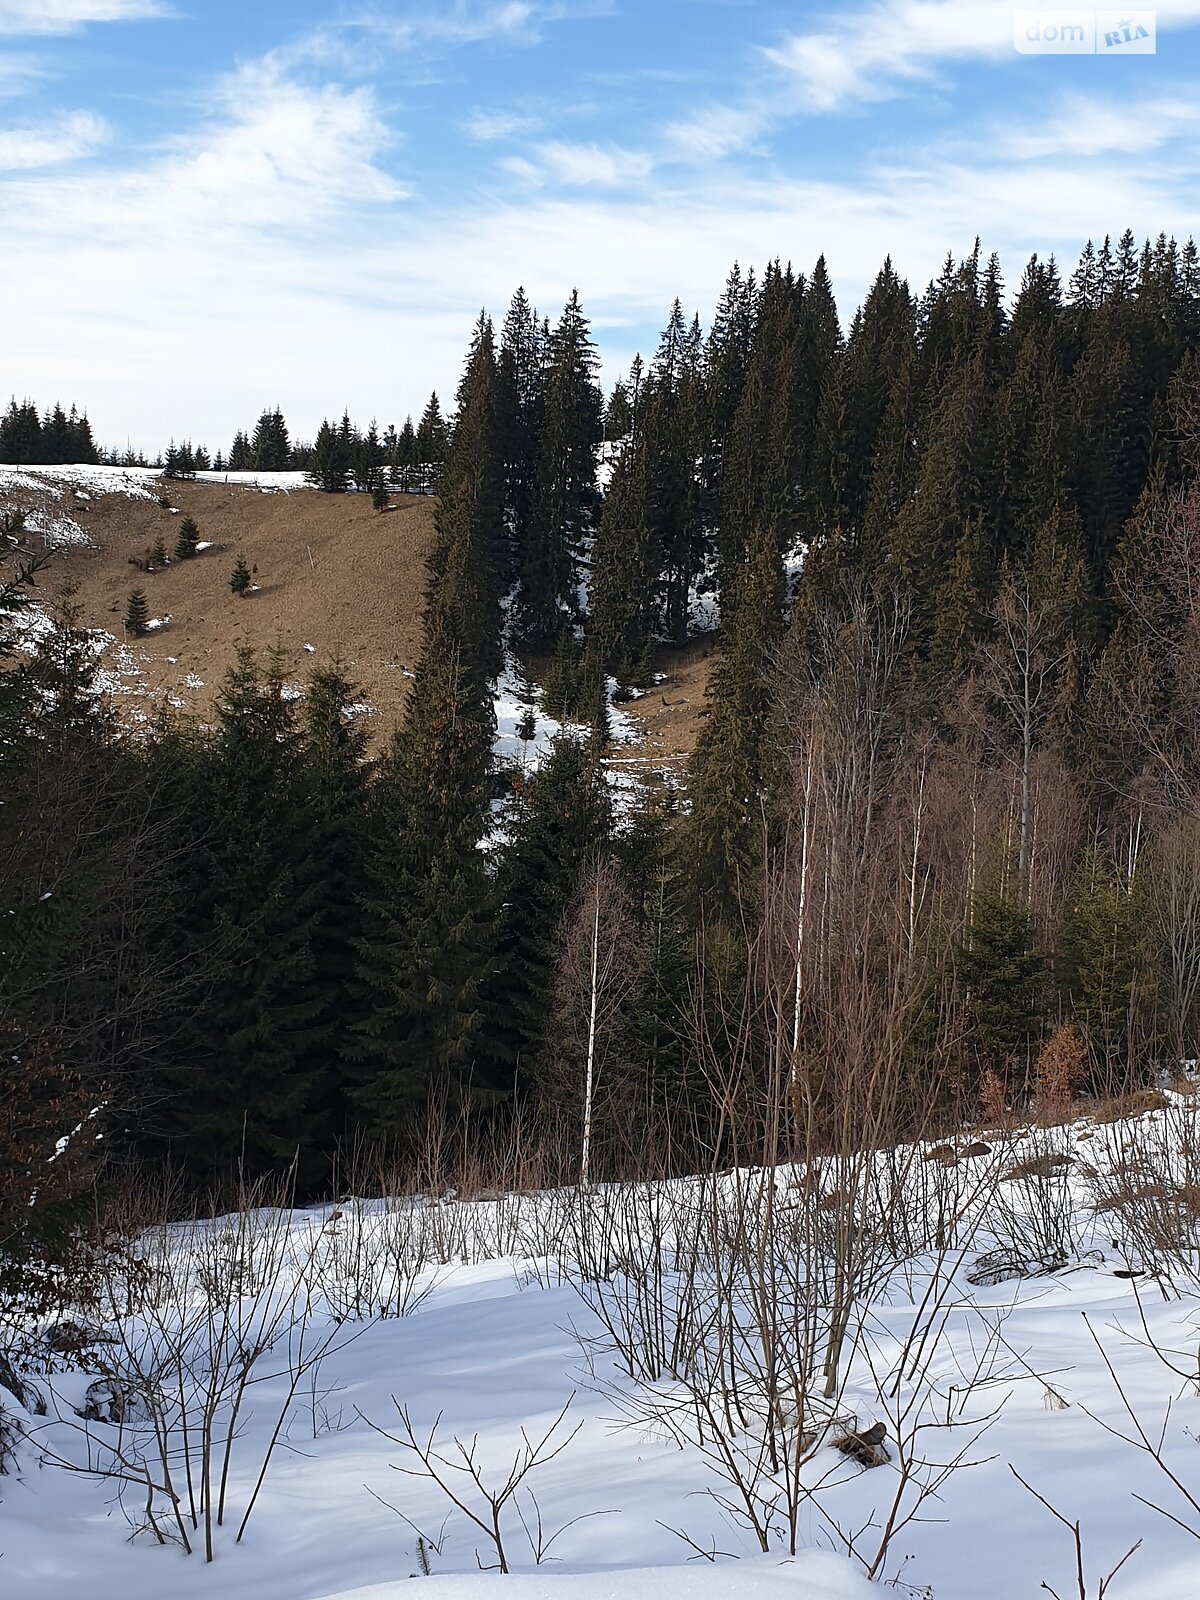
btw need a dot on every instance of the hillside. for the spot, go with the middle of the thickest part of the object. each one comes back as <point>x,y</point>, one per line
<point>336,580</point>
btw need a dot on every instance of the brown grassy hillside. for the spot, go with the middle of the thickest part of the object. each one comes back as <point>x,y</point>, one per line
<point>332,573</point>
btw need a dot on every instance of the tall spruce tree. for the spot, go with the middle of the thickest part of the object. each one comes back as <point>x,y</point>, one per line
<point>521,379</point>
<point>564,504</point>
<point>245,1074</point>
<point>561,822</point>
<point>423,951</point>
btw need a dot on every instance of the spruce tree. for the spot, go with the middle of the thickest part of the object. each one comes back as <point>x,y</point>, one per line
<point>239,578</point>
<point>432,443</point>
<point>565,495</point>
<point>330,469</point>
<point>247,1069</point>
<point>186,539</point>
<point>334,755</point>
<point>521,380</point>
<point>561,821</point>
<point>270,449</point>
<point>423,952</point>
<point>1004,974</point>
<point>137,613</point>
<point>623,567</point>
<point>728,771</point>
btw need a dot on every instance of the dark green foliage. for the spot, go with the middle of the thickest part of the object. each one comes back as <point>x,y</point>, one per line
<point>243,1081</point>
<point>84,986</point>
<point>335,940</point>
<point>728,769</point>
<point>521,380</point>
<point>560,822</point>
<point>186,539</point>
<point>564,498</point>
<point>1103,961</point>
<point>239,578</point>
<point>137,613</point>
<point>330,469</point>
<point>270,450</point>
<point>423,951</point>
<point>181,461</point>
<point>432,444</point>
<point>562,681</point>
<point>59,436</point>
<point>334,756</point>
<point>1004,975</point>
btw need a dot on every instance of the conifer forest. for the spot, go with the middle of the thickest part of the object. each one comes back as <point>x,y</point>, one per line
<point>937,849</point>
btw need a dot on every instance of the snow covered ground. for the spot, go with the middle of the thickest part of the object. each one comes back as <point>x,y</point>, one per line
<point>86,482</point>
<point>517,703</point>
<point>1033,1327</point>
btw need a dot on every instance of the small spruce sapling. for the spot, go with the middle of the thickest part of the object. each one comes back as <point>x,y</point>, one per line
<point>239,580</point>
<point>137,613</point>
<point>158,553</point>
<point>379,496</point>
<point>187,540</point>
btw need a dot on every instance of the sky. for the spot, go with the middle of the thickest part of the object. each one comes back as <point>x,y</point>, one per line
<point>211,207</point>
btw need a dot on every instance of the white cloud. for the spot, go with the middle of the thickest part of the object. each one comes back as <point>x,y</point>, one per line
<point>863,55</point>
<point>715,132</point>
<point>34,17</point>
<point>580,166</point>
<point>64,139</point>
<point>1084,127</point>
<point>270,254</point>
<point>872,52</point>
<point>276,152</point>
<point>464,22</point>
<point>486,127</point>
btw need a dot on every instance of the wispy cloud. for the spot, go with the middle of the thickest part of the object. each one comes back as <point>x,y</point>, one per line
<point>297,232</point>
<point>1081,126</point>
<point>452,24</point>
<point>580,166</point>
<point>64,138</point>
<point>714,132</point>
<point>50,17</point>
<point>870,52</point>
<point>486,127</point>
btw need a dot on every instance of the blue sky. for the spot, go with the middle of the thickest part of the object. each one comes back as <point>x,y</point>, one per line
<point>210,207</point>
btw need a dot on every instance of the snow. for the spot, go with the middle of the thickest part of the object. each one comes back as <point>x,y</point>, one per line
<point>265,482</point>
<point>58,531</point>
<point>810,1575</point>
<point>136,483</point>
<point>514,697</point>
<point>608,454</point>
<point>500,1335</point>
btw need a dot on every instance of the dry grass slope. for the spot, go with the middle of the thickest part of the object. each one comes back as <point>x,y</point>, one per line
<point>332,573</point>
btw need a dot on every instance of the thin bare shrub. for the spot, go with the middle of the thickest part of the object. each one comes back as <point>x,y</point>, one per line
<point>222,1310</point>
<point>458,1471</point>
